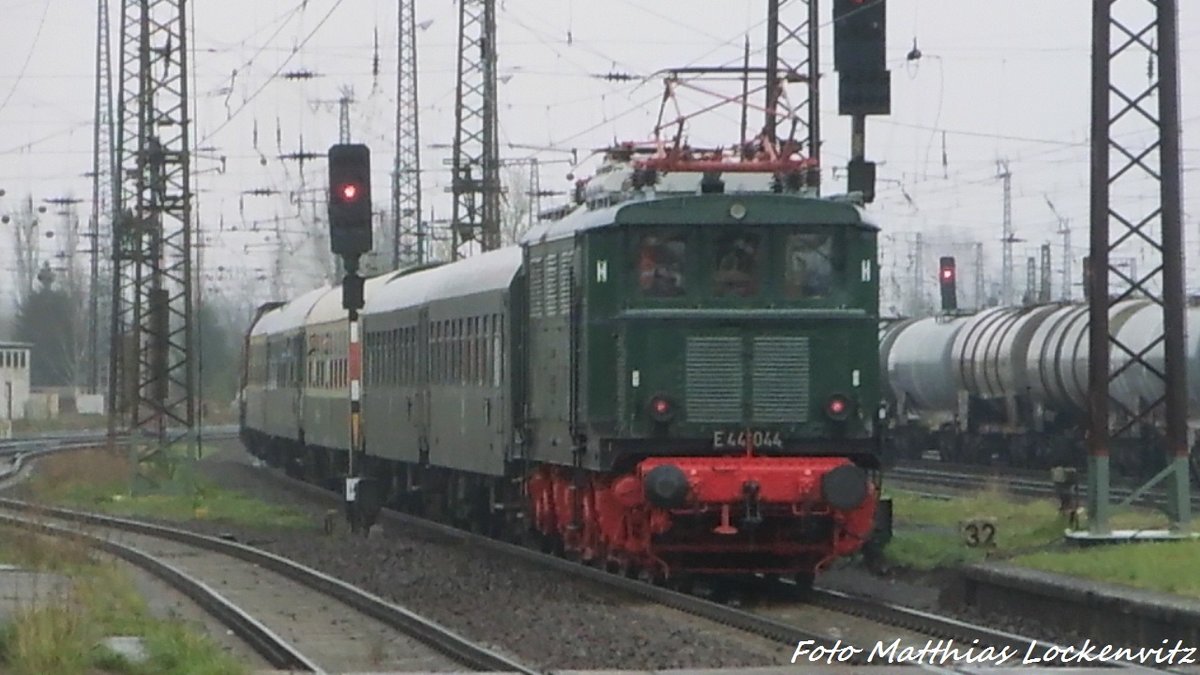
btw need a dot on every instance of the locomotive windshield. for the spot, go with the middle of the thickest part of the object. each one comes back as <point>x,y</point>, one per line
<point>660,264</point>
<point>808,266</point>
<point>738,264</point>
<point>765,264</point>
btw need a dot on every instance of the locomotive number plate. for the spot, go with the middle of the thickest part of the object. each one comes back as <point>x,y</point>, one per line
<point>737,439</point>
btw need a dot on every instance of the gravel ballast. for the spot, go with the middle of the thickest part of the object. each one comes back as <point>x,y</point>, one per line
<point>539,616</point>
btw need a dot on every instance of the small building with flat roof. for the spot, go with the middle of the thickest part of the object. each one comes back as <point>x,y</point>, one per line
<point>14,379</point>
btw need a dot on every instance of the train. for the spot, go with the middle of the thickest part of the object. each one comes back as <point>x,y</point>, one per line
<point>677,377</point>
<point>1009,385</point>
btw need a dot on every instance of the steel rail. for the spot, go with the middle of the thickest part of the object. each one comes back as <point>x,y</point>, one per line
<point>277,651</point>
<point>873,610</point>
<point>1018,483</point>
<point>429,633</point>
<point>424,630</point>
<point>926,623</point>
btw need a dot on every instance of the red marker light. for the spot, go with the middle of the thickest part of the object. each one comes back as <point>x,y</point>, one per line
<point>349,192</point>
<point>661,409</point>
<point>838,408</point>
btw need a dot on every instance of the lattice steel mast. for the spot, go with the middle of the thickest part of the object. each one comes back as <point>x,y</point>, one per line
<point>408,230</point>
<point>1008,238</point>
<point>104,185</point>
<point>475,165</point>
<point>1123,111</point>
<point>152,385</point>
<point>793,50</point>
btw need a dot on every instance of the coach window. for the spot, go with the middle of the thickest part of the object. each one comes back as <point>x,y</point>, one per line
<point>484,372</point>
<point>499,348</point>
<point>444,354</point>
<point>808,265</point>
<point>374,359</point>
<point>434,351</point>
<point>463,349</point>
<point>452,360</point>
<point>459,349</point>
<point>447,352</point>
<point>405,357</point>
<point>478,341</point>
<point>464,375</point>
<point>659,265</point>
<point>460,361</point>
<point>396,349</point>
<point>443,348</point>
<point>410,369</point>
<point>738,265</point>
<point>476,356</point>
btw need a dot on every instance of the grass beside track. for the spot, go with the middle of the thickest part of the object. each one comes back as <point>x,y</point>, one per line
<point>60,633</point>
<point>1168,567</point>
<point>928,534</point>
<point>102,481</point>
<point>1030,533</point>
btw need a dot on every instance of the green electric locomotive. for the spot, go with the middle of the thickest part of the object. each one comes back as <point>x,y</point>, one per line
<point>678,376</point>
<point>703,376</point>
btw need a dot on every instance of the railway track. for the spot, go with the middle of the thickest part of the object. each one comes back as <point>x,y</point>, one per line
<point>68,440</point>
<point>860,621</point>
<point>1024,483</point>
<point>287,597</point>
<point>802,617</point>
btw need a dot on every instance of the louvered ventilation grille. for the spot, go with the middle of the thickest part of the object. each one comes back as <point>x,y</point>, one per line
<point>714,379</point>
<point>780,379</point>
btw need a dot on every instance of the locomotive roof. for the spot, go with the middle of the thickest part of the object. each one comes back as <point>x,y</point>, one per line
<point>765,208</point>
<point>290,316</point>
<point>489,271</point>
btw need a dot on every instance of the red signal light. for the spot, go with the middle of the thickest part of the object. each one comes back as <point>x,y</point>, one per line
<point>348,192</point>
<point>947,274</point>
<point>661,406</point>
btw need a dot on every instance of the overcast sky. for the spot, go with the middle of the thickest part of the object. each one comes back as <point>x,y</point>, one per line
<point>997,81</point>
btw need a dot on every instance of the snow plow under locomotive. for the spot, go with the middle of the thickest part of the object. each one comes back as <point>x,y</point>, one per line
<point>678,377</point>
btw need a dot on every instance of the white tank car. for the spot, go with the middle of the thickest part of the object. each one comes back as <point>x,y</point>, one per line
<point>917,358</point>
<point>1139,384</point>
<point>990,353</point>
<point>1058,355</point>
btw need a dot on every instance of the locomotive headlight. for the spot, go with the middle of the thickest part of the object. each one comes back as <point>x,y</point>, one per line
<point>838,408</point>
<point>661,408</point>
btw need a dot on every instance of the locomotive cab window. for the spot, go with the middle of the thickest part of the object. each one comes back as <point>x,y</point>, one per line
<point>808,265</point>
<point>738,263</point>
<point>660,265</point>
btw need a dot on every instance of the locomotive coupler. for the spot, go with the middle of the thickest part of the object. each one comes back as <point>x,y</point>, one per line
<point>753,517</point>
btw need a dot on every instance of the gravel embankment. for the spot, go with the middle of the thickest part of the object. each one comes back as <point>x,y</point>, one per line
<point>541,617</point>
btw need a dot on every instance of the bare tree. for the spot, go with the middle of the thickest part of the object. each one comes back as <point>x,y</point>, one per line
<point>515,215</point>
<point>25,247</point>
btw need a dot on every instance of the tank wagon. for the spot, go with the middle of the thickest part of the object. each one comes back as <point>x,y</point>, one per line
<point>1009,384</point>
<point>675,378</point>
